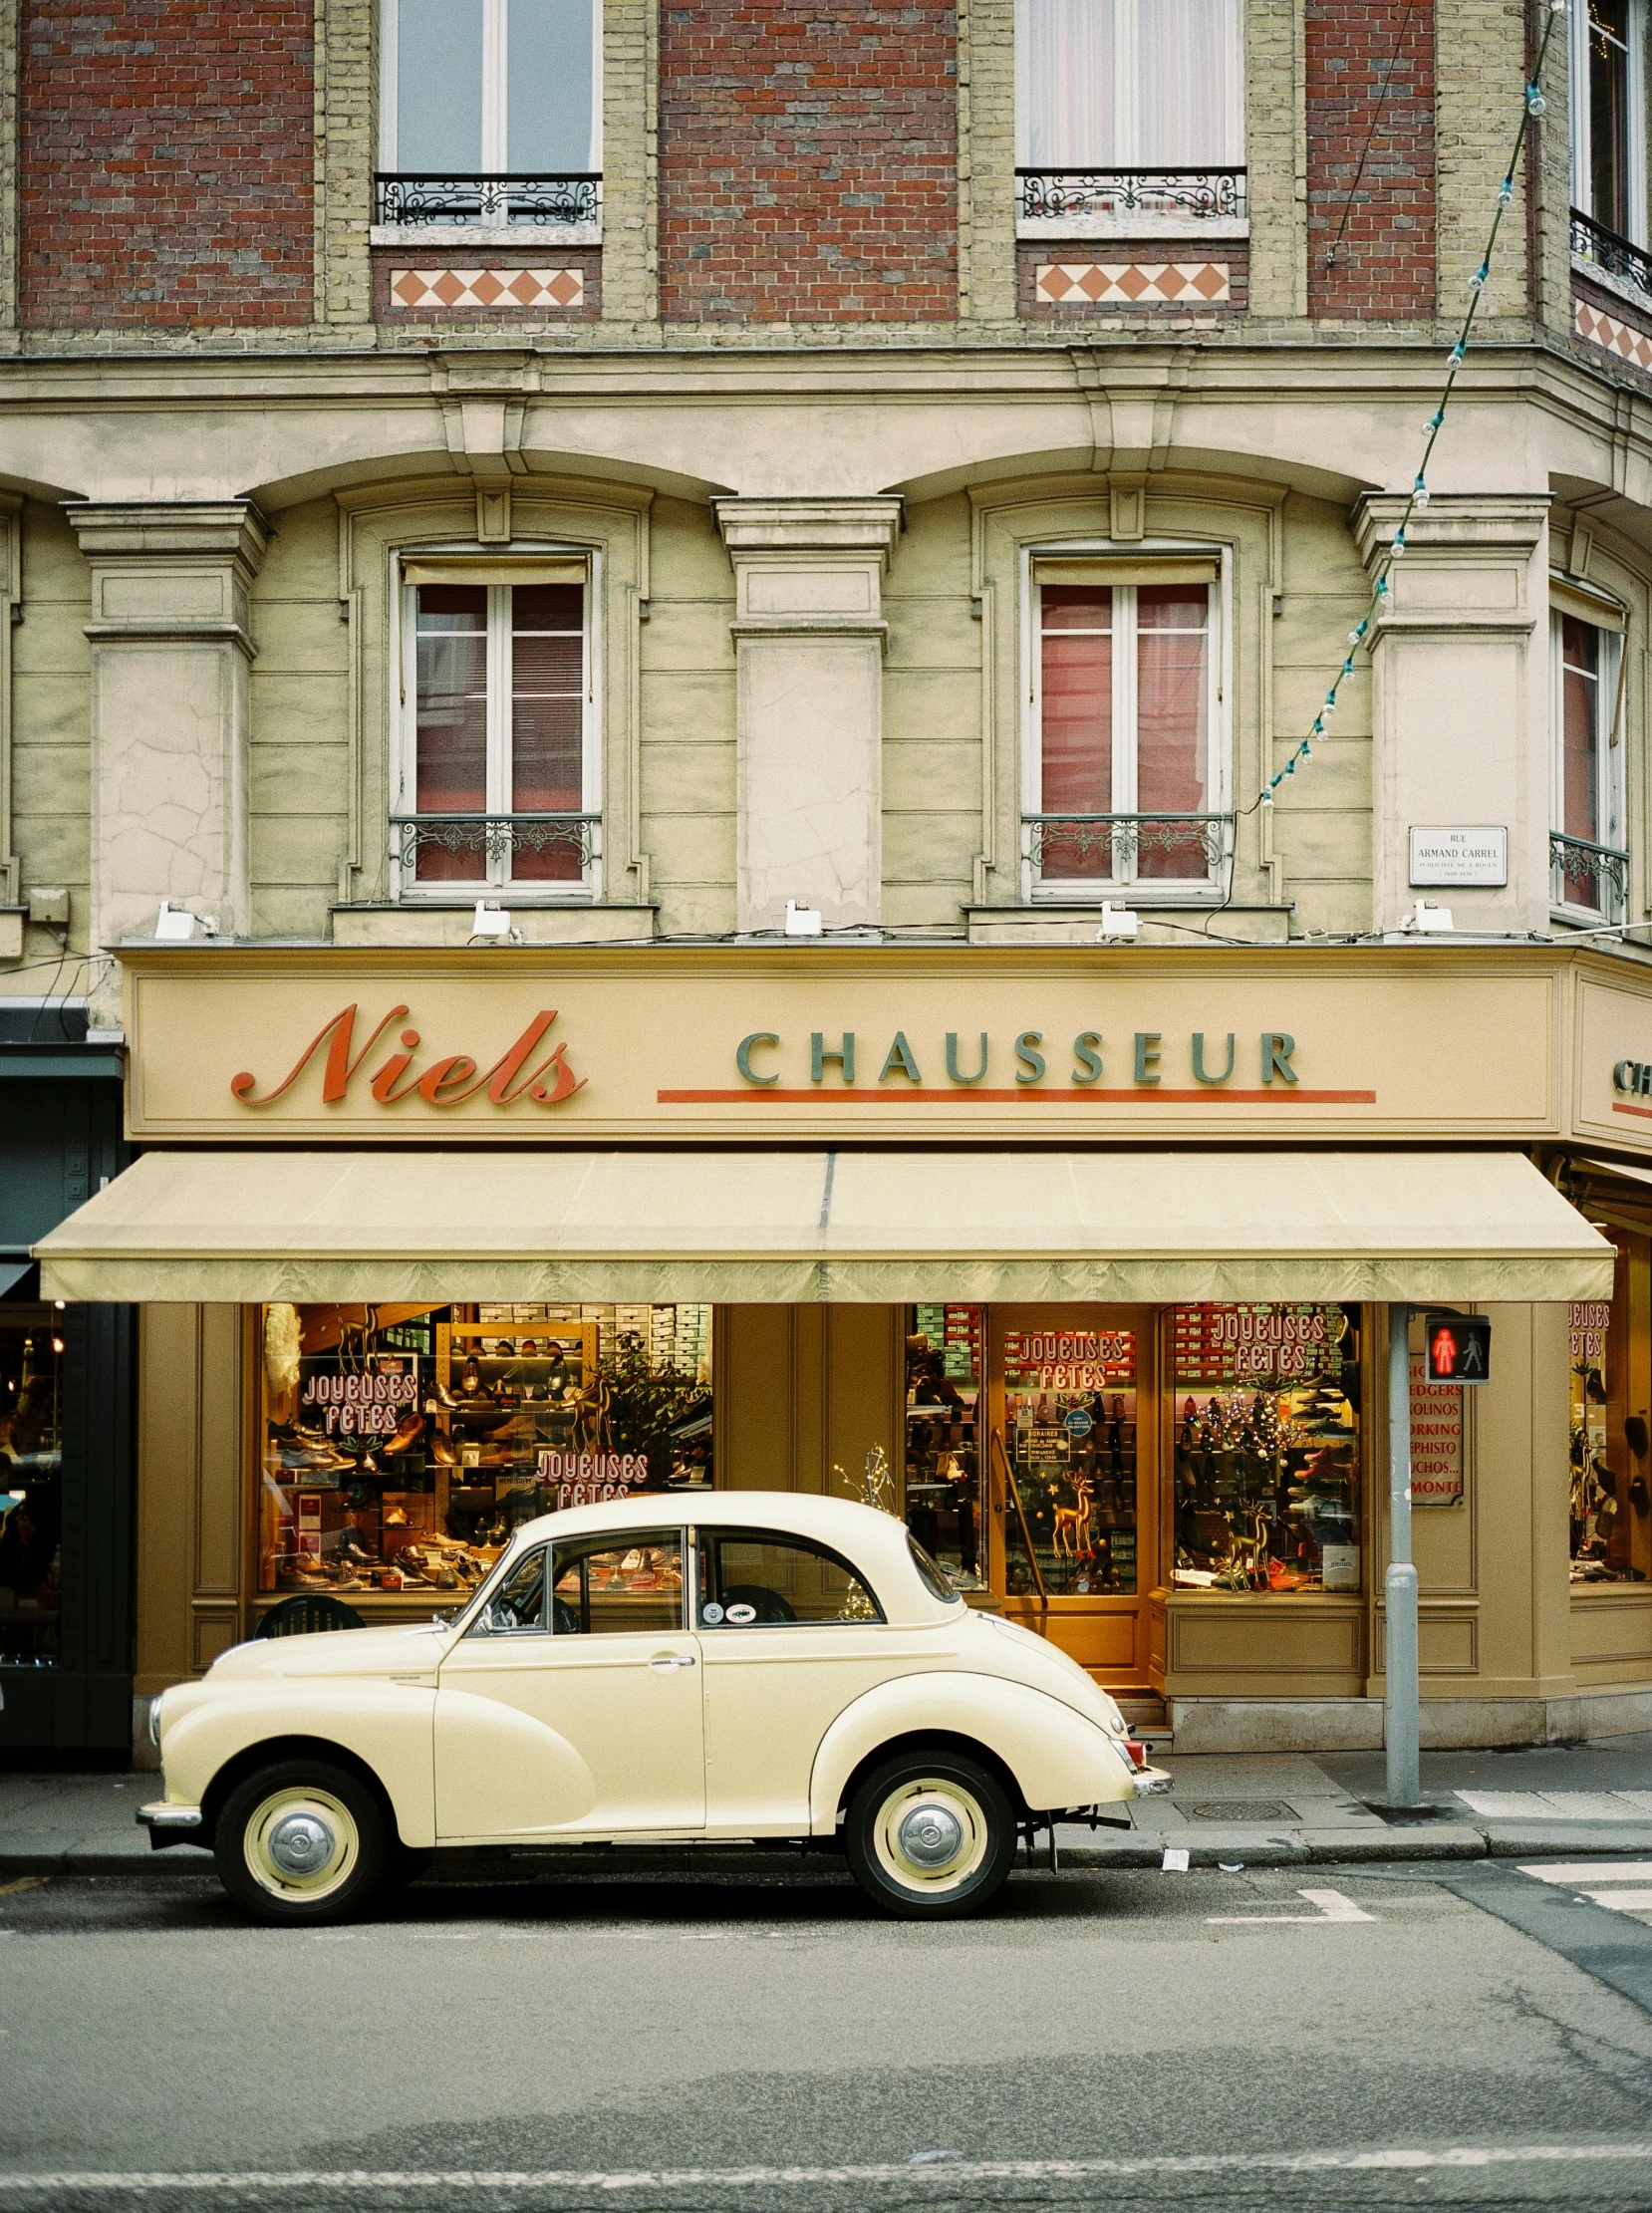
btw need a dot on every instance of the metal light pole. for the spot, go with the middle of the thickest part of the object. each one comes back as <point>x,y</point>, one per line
<point>1401,1724</point>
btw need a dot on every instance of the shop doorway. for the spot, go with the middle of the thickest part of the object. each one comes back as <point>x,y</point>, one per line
<point>1071,1479</point>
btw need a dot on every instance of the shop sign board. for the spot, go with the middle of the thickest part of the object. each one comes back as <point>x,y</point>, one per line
<point>1463,858</point>
<point>588,1044</point>
<point>1436,1423</point>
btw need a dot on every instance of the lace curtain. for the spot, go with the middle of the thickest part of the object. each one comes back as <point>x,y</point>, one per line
<point>1129,83</point>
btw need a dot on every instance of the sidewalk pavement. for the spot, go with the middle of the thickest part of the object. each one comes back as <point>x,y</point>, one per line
<point>1268,1809</point>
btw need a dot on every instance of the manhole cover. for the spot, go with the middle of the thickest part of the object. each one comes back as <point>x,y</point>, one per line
<point>1238,1809</point>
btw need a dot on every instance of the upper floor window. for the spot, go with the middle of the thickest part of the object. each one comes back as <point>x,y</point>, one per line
<point>1130,112</point>
<point>1124,779</point>
<point>1588,863</point>
<point>499,89</point>
<point>1608,115</point>
<point>498,781</point>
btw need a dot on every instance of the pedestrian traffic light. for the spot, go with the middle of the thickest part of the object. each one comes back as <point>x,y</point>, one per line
<point>1457,1348</point>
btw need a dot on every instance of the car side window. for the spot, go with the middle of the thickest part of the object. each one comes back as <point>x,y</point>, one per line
<point>519,1603</point>
<point>755,1578</point>
<point>605,1585</point>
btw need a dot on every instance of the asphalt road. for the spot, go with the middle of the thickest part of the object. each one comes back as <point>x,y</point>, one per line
<point>1099,2040</point>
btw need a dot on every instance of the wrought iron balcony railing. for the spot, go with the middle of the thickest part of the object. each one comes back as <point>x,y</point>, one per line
<point>1117,196</point>
<point>1615,256</point>
<point>1125,848</point>
<point>1591,876</point>
<point>494,202</point>
<point>484,847</point>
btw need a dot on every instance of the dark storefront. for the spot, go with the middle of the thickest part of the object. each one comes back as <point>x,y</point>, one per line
<point>65,1407</point>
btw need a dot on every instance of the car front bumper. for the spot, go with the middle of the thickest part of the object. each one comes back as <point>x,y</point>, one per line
<point>171,1825</point>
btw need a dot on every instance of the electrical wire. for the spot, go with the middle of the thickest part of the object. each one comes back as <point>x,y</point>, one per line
<point>1418,498</point>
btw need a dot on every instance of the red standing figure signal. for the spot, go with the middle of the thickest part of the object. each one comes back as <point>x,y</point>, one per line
<point>1457,1348</point>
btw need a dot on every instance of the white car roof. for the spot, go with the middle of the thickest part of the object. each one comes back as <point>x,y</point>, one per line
<point>873,1543</point>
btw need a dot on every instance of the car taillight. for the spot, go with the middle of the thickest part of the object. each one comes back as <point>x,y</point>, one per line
<point>1136,1754</point>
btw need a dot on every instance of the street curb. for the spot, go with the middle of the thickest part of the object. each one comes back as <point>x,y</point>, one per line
<point>1314,1848</point>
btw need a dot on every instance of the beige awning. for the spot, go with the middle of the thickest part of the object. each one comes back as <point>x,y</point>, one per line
<point>826,1226</point>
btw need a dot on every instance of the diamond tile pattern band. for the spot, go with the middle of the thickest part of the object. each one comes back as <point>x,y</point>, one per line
<point>1617,338</point>
<point>1148,283</point>
<point>505,288</point>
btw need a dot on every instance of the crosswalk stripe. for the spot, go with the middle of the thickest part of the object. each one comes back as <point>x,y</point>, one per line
<point>1574,1873</point>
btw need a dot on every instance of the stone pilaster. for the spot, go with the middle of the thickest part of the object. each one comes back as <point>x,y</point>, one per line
<point>1460,697</point>
<point>810,645</point>
<point>171,649</point>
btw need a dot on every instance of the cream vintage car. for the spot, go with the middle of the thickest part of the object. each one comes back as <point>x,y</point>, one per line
<point>739,1666</point>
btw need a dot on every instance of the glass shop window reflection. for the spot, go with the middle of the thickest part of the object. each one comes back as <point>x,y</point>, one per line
<point>31,1485</point>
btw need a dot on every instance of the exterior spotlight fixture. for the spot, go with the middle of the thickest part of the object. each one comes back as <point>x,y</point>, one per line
<point>802,921</point>
<point>1119,926</point>
<point>1427,920</point>
<point>177,925</point>
<point>492,925</point>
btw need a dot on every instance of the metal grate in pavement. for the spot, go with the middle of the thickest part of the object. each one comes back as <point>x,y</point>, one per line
<point>1238,1809</point>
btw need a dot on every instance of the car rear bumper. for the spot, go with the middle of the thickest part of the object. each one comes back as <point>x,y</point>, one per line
<point>1149,1783</point>
<point>171,1825</point>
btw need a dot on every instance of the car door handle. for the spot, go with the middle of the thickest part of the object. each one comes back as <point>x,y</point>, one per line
<point>665,1660</point>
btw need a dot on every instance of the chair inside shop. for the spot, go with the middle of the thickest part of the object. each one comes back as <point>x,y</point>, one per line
<point>306,1616</point>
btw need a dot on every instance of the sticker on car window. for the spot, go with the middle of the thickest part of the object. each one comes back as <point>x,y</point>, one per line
<point>710,1615</point>
<point>740,1615</point>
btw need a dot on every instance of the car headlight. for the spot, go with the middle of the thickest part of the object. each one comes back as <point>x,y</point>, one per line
<point>154,1720</point>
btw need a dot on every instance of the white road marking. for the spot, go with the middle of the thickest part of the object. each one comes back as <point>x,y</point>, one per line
<point>1622,1901</point>
<point>1402,2158</point>
<point>1559,1805</point>
<point>1572,1873</point>
<point>1333,1906</point>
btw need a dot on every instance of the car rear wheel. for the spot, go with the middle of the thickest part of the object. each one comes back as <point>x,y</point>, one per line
<point>302,1842</point>
<point>930,1834</point>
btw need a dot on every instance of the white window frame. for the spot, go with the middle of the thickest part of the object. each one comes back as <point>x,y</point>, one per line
<point>1141,560</point>
<point>1101,220</point>
<point>1608,739</point>
<point>1583,195</point>
<point>406,888</point>
<point>495,135</point>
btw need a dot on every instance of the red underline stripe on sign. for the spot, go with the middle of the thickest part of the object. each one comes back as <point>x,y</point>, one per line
<point>1617,1108</point>
<point>1147,1095</point>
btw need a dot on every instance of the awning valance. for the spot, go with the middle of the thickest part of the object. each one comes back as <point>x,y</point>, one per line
<point>809,1227</point>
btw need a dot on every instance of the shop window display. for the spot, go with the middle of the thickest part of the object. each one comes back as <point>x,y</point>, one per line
<point>402,1445</point>
<point>945,1507</point>
<point>31,1486</point>
<point>1071,1446</point>
<point>1265,1409</point>
<point>1610,1530</point>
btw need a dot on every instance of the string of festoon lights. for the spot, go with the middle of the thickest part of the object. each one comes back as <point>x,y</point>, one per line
<point>1532,107</point>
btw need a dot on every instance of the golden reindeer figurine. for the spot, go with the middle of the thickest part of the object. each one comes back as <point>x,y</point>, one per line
<point>1072,1524</point>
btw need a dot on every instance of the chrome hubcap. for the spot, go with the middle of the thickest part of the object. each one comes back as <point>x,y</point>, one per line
<point>299,1843</point>
<point>931,1834</point>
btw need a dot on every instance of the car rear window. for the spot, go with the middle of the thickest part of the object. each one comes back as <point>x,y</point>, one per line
<point>931,1573</point>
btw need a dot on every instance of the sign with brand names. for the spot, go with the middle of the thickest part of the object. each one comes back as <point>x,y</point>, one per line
<point>1464,858</point>
<point>584,1045</point>
<point>1436,1439</point>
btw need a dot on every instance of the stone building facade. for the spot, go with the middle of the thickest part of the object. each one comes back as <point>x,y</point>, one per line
<point>814,349</point>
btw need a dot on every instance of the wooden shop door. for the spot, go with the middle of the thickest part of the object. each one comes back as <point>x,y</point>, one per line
<point>1073,1479</point>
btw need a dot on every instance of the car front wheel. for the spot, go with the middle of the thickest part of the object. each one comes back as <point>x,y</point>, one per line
<point>302,1842</point>
<point>930,1834</point>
